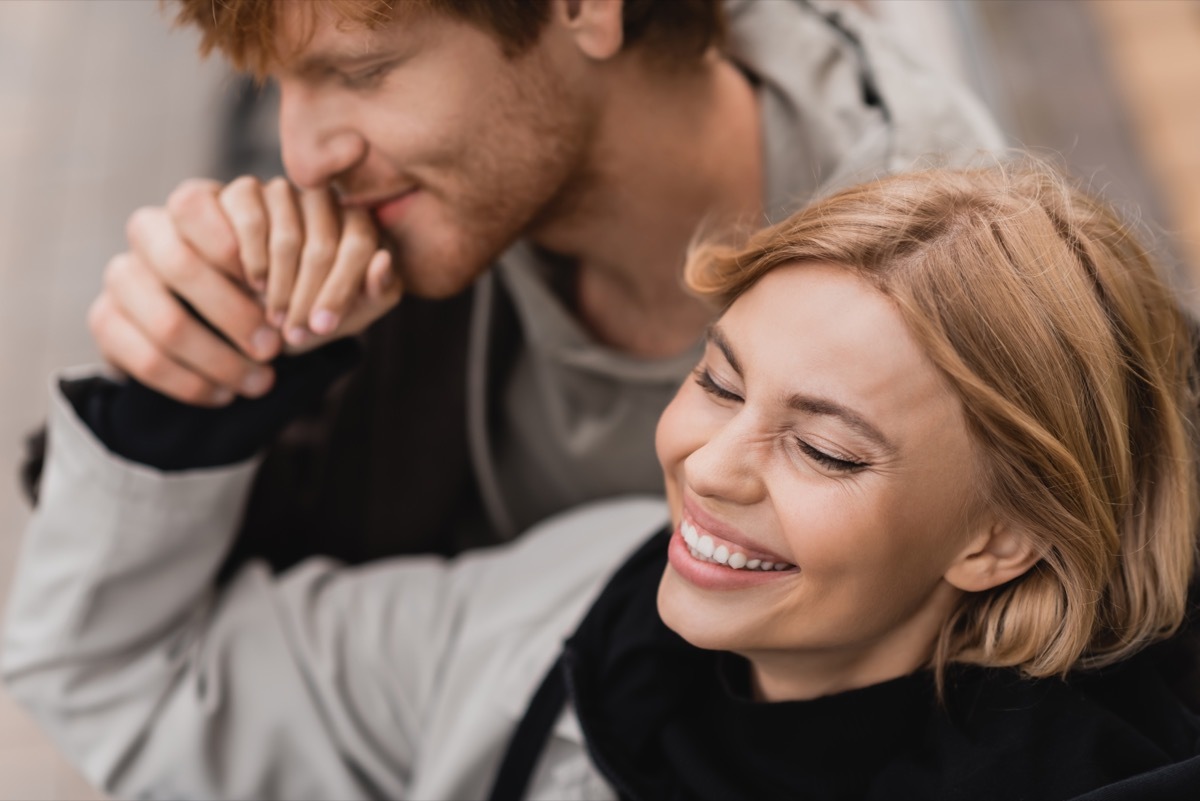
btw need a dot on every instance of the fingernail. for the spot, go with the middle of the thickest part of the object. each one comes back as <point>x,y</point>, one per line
<point>265,341</point>
<point>323,321</point>
<point>222,396</point>
<point>256,383</point>
<point>277,317</point>
<point>296,335</point>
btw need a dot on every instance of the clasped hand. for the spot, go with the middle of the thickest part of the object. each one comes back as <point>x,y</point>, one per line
<point>268,266</point>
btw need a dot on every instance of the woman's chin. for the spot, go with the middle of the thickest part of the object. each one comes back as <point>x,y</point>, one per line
<point>688,616</point>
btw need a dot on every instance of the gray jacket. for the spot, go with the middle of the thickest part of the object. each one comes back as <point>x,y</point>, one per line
<point>401,679</point>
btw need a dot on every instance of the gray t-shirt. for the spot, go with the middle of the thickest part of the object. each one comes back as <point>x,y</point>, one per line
<point>572,420</point>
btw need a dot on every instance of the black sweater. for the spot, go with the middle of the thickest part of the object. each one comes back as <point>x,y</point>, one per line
<point>666,720</point>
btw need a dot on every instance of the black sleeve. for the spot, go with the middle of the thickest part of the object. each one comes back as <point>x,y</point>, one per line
<point>144,426</point>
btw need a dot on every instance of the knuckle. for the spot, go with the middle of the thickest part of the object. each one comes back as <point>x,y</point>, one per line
<point>284,243</point>
<point>139,221</point>
<point>227,251</point>
<point>279,185</point>
<point>171,328</point>
<point>178,268</point>
<point>190,194</point>
<point>319,252</point>
<point>252,222</point>
<point>245,184</point>
<point>116,271</point>
<point>358,242</point>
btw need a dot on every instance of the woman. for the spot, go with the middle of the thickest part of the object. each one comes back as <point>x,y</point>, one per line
<point>932,496</point>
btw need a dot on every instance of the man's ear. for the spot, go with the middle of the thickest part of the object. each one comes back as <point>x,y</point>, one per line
<point>595,25</point>
<point>998,553</point>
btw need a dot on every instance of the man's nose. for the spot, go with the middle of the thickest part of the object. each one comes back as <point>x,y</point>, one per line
<point>318,144</point>
<point>730,465</point>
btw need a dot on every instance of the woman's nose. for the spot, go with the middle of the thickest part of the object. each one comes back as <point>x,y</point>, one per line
<point>729,466</point>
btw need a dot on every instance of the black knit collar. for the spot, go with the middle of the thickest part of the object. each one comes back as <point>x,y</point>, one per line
<point>666,720</point>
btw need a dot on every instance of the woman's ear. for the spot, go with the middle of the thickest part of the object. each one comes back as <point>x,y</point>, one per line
<point>999,553</point>
<point>595,25</point>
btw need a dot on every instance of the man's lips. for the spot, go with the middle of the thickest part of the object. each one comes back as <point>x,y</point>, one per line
<point>389,210</point>
<point>373,200</point>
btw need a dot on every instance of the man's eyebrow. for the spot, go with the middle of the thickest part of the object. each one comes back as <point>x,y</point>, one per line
<point>321,63</point>
<point>808,404</point>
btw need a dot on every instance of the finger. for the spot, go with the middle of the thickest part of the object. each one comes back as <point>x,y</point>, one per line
<point>243,204</point>
<point>381,278</point>
<point>200,221</point>
<point>213,295</point>
<point>366,308</point>
<point>347,279</point>
<point>321,227</point>
<point>283,245</point>
<point>176,334</point>
<point>130,351</point>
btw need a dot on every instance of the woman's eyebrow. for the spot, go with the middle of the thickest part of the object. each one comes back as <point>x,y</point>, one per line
<point>715,335</point>
<point>808,404</point>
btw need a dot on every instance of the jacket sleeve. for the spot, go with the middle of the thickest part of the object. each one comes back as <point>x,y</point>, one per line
<point>158,686</point>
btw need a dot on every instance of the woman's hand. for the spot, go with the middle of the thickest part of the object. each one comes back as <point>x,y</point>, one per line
<point>319,268</point>
<point>251,261</point>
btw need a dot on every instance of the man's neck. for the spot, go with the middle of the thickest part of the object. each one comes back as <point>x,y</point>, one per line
<point>672,153</point>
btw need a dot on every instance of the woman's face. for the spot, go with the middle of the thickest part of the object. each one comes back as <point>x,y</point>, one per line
<point>817,437</point>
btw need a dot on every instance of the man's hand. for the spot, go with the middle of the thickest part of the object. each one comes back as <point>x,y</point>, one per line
<point>317,270</point>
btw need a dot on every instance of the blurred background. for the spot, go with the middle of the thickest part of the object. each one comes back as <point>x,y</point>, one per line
<point>104,108</point>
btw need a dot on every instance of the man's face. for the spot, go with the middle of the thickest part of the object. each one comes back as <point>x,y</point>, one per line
<point>455,147</point>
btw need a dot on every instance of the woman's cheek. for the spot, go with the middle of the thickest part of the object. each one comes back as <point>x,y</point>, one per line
<point>682,427</point>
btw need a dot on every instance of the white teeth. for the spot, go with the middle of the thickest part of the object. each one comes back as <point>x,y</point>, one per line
<point>705,549</point>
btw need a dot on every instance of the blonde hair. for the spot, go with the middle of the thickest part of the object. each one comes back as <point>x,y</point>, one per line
<point>1074,367</point>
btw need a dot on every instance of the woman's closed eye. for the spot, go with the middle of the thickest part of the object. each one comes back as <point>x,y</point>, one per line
<point>828,461</point>
<point>709,384</point>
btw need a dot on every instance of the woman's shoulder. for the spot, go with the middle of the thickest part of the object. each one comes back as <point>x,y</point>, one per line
<point>1006,735</point>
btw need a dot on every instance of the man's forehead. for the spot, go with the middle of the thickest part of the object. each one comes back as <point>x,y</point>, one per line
<point>314,35</point>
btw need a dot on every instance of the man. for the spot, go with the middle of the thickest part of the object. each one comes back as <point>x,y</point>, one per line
<point>537,170</point>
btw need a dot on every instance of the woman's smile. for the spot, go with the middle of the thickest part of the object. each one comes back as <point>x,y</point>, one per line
<point>708,572</point>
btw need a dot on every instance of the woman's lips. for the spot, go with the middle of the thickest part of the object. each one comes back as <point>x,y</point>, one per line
<point>722,533</point>
<point>704,546</point>
<point>707,574</point>
<point>713,555</point>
